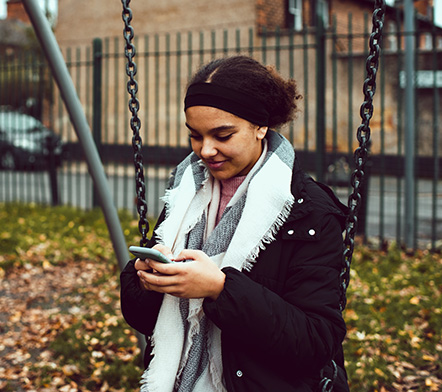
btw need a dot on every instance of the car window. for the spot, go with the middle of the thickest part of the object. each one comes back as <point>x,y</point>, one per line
<point>18,123</point>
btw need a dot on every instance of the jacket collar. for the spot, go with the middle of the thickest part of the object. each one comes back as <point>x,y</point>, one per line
<point>304,203</point>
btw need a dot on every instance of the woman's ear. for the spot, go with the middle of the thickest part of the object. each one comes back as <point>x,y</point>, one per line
<point>261,132</point>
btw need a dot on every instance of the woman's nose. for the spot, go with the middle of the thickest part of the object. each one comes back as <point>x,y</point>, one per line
<point>208,149</point>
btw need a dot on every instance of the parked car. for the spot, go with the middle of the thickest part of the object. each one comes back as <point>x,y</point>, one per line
<point>25,143</point>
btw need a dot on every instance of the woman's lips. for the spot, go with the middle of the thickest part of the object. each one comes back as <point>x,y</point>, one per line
<point>215,165</point>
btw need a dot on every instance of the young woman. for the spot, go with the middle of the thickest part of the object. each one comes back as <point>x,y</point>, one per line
<point>252,301</point>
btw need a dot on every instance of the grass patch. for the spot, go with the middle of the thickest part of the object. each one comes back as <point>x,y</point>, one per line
<point>394,321</point>
<point>36,234</point>
<point>393,315</point>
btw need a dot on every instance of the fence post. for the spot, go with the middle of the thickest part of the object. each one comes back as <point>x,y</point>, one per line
<point>51,166</point>
<point>97,102</point>
<point>409,124</point>
<point>320,94</point>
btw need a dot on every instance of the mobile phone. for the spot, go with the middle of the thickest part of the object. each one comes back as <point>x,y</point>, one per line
<point>149,253</point>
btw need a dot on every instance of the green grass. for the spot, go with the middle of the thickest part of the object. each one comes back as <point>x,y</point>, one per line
<point>57,232</point>
<point>394,321</point>
<point>393,315</point>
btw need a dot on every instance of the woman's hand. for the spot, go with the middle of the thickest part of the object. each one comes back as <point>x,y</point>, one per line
<point>143,265</point>
<point>197,277</point>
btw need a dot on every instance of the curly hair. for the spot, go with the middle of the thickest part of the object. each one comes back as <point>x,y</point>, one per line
<point>245,74</point>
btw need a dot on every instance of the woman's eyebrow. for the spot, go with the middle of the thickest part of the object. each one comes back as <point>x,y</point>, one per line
<point>190,128</point>
<point>213,130</point>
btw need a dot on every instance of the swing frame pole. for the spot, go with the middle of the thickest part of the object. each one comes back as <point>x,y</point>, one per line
<point>78,118</point>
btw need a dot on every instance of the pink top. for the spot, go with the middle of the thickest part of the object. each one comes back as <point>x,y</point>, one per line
<point>228,189</point>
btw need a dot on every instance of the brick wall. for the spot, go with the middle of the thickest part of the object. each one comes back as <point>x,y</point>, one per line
<point>271,14</point>
<point>423,7</point>
<point>16,11</point>
<point>79,21</point>
<point>356,16</point>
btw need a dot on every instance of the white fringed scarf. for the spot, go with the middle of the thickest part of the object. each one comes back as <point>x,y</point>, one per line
<point>186,344</point>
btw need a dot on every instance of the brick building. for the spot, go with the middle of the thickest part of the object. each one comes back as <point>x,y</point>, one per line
<point>279,32</point>
<point>16,11</point>
<point>252,26</point>
<point>14,33</point>
<point>81,20</point>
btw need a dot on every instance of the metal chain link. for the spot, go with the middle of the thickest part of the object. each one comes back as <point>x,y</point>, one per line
<point>326,384</point>
<point>135,123</point>
<point>360,156</point>
<point>363,136</point>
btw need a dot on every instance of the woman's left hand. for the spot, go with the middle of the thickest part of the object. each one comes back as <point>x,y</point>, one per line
<point>198,277</point>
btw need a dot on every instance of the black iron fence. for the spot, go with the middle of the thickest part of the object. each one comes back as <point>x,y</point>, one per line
<point>329,69</point>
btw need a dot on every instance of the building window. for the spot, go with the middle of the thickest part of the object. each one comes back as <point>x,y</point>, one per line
<point>392,43</point>
<point>294,13</point>
<point>323,11</point>
<point>428,41</point>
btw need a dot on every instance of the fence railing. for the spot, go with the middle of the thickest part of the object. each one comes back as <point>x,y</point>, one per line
<point>323,133</point>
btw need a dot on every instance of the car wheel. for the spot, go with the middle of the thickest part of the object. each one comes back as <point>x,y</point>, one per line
<point>7,160</point>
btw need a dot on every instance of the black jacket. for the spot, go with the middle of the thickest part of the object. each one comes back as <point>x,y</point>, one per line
<point>280,322</point>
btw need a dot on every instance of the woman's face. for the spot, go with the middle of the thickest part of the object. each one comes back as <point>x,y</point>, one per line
<point>228,145</point>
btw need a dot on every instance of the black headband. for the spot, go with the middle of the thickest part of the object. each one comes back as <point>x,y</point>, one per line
<point>242,105</point>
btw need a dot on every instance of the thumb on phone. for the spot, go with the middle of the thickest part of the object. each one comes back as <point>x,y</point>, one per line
<point>165,250</point>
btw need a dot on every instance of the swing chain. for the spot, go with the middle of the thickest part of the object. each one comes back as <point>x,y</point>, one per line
<point>135,123</point>
<point>363,136</point>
